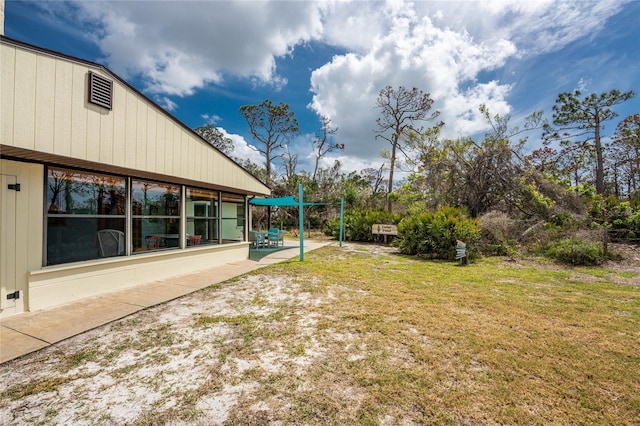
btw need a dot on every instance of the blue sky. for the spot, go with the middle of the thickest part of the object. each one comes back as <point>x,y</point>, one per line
<point>203,60</point>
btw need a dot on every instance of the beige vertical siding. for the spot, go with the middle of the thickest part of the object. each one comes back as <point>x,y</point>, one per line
<point>62,108</point>
<point>78,114</point>
<point>29,224</point>
<point>24,100</point>
<point>45,109</point>
<point>45,89</point>
<point>7,93</point>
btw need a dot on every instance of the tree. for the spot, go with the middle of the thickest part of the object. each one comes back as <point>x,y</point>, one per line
<point>400,112</point>
<point>273,126</point>
<point>500,128</point>
<point>580,123</point>
<point>626,149</point>
<point>255,169</point>
<point>477,175</point>
<point>322,145</point>
<point>216,138</point>
<point>290,161</point>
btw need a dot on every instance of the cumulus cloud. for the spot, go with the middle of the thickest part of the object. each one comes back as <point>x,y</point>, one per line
<point>243,150</point>
<point>178,47</point>
<point>441,48</point>
<point>448,49</point>
<point>166,103</point>
<point>211,118</point>
<point>415,53</point>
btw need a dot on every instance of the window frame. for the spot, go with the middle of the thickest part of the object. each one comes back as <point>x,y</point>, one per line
<point>63,215</point>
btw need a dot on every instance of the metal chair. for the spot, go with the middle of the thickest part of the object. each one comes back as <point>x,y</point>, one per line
<point>153,241</point>
<point>194,240</point>
<point>275,237</point>
<point>257,239</point>
<point>110,242</point>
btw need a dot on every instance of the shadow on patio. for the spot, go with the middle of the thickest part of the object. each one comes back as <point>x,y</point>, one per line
<point>258,253</point>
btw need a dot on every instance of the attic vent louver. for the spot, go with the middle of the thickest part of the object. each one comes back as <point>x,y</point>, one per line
<point>100,90</point>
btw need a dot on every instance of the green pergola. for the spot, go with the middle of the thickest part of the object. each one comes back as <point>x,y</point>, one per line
<point>291,202</point>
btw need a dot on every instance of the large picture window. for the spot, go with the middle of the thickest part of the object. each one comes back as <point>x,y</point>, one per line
<point>155,218</point>
<point>85,216</point>
<point>94,215</point>
<point>202,217</point>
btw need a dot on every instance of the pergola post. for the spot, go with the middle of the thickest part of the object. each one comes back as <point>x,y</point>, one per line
<point>341,219</point>
<point>301,219</point>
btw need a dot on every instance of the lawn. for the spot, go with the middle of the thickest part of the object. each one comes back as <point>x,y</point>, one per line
<point>355,335</point>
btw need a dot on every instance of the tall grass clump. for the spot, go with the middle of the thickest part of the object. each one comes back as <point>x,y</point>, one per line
<point>434,234</point>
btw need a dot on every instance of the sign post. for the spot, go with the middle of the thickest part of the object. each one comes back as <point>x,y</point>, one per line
<point>384,229</point>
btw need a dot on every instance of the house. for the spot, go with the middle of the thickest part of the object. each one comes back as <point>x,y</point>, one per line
<point>101,188</point>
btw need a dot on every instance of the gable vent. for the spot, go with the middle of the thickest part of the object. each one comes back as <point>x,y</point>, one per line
<point>100,90</point>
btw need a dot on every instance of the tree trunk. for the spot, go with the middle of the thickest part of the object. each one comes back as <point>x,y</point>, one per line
<point>391,168</point>
<point>599,158</point>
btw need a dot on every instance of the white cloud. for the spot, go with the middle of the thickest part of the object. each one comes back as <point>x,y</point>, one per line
<point>166,103</point>
<point>441,48</point>
<point>242,150</point>
<point>449,49</point>
<point>414,52</point>
<point>211,119</point>
<point>180,46</point>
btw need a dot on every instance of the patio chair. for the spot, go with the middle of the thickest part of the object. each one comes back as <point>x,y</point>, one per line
<point>110,242</point>
<point>276,237</point>
<point>194,240</point>
<point>153,241</point>
<point>257,239</point>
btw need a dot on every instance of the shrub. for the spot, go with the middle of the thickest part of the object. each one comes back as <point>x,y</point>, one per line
<point>634,221</point>
<point>434,234</point>
<point>565,221</point>
<point>537,237</point>
<point>576,251</point>
<point>358,223</point>
<point>499,234</point>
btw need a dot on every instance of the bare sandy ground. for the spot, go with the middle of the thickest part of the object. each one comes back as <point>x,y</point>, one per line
<point>195,353</point>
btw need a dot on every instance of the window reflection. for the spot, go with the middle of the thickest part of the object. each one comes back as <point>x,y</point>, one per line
<point>202,217</point>
<point>85,216</point>
<point>70,192</point>
<point>155,215</point>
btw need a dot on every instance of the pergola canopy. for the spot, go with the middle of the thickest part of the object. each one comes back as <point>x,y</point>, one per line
<point>280,201</point>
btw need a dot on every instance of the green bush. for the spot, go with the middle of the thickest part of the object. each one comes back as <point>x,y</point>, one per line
<point>634,221</point>
<point>615,214</point>
<point>358,223</point>
<point>434,234</point>
<point>565,220</point>
<point>576,252</point>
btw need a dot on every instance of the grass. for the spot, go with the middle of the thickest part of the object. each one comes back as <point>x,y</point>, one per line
<point>358,335</point>
<point>490,343</point>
